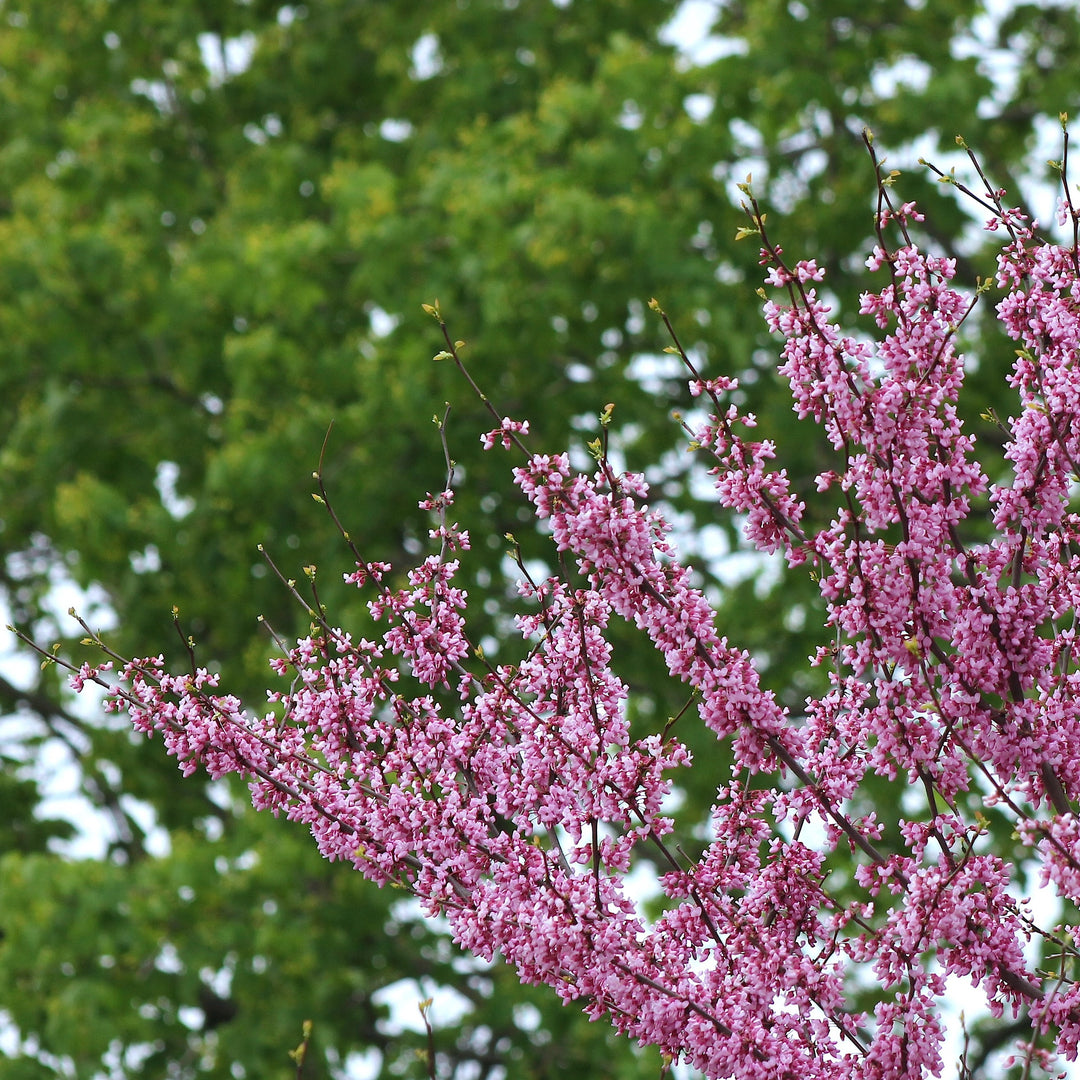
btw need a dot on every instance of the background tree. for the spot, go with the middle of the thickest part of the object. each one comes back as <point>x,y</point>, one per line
<point>217,224</point>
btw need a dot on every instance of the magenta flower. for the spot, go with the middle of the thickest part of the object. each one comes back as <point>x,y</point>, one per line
<point>515,800</point>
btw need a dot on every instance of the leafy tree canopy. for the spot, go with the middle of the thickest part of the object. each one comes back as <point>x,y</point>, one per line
<point>218,222</point>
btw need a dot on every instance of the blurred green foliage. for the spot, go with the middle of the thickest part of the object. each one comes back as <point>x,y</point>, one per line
<point>218,222</point>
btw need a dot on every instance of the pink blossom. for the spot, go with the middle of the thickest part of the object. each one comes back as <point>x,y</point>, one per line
<point>515,798</point>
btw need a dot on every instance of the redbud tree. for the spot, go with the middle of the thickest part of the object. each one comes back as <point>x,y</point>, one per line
<point>513,798</point>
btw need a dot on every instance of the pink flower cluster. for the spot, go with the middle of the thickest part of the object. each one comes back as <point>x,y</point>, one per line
<point>515,799</point>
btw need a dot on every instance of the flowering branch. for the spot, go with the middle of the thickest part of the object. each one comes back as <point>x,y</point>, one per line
<point>515,799</point>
